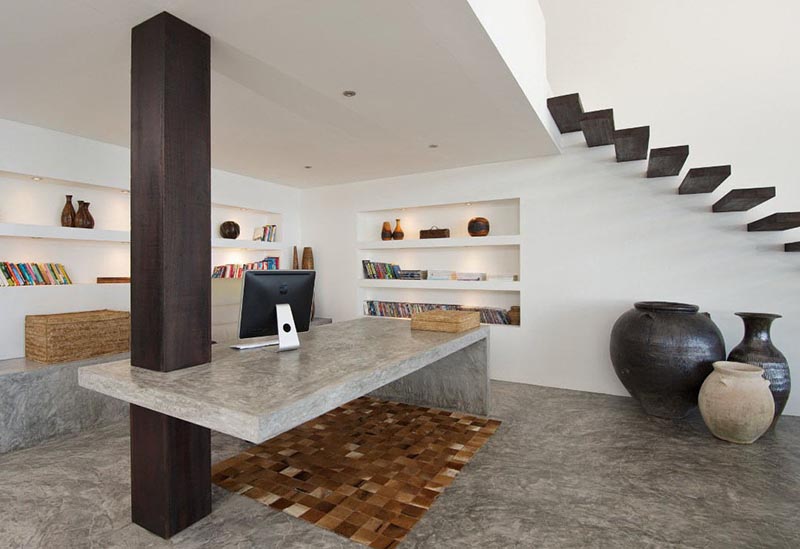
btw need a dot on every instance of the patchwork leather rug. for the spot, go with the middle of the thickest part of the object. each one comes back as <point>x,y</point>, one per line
<point>368,470</point>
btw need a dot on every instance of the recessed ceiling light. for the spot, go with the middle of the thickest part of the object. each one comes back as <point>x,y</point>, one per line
<point>36,178</point>
<point>125,191</point>
<point>469,203</point>
<point>349,93</point>
<point>307,167</point>
<point>433,146</point>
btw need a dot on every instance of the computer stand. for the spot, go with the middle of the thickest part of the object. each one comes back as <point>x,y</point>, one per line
<point>287,333</point>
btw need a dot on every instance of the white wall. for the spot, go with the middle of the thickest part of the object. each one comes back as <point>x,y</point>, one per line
<point>99,172</point>
<point>596,236</point>
<point>722,76</point>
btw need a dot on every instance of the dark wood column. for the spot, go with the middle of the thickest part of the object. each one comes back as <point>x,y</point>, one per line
<point>170,195</point>
<point>170,262</point>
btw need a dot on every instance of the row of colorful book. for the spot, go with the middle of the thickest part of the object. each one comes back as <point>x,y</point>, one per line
<point>235,270</point>
<point>33,274</point>
<point>267,233</point>
<point>399,309</point>
<point>374,269</point>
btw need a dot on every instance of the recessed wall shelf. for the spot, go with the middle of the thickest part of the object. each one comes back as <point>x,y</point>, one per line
<point>510,240</point>
<point>18,230</point>
<point>481,286</point>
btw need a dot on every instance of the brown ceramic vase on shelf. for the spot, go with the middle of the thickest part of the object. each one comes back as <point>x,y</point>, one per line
<point>84,219</point>
<point>386,231</point>
<point>308,265</point>
<point>229,230</point>
<point>478,226</point>
<point>295,262</point>
<point>68,213</point>
<point>398,233</point>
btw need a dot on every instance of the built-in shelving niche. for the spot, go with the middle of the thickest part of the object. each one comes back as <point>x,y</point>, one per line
<point>30,230</point>
<point>497,253</point>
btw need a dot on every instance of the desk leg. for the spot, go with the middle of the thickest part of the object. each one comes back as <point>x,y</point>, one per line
<point>459,381</point>
<point>170,472</point>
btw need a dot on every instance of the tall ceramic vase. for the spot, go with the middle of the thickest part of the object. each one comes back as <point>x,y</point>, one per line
<point>68,213</point>
<point>84,219</point>
<point>308,264</point>
<point>757,348</point>
<point>662,352</point>
<point>736,403</point>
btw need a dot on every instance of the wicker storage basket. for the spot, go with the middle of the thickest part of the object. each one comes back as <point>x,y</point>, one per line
<point>446,321</point>
<point>76,336</point>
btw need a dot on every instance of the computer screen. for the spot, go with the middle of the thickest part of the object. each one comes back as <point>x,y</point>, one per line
<point>263,290</point>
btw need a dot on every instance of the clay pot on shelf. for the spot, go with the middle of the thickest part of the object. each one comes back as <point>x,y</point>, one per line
<point>398,233</point>
<point>229,230</point>
<point>478,226</point>
<point>68,213</point>
<point>83,218</point>
<point>662,352</point>
<point>295,262</point>
<point>386,231</point>
<point>756,348</point>
<point>514,315</point>
<point>736,403</point>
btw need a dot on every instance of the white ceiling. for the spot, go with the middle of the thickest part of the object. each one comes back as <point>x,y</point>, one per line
<point>425,73</point>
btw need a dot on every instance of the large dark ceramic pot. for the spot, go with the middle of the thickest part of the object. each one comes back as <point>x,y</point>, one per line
<point>662,353</point>
<point>757,348</point>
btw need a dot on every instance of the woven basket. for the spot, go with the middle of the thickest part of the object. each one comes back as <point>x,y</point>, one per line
<point>76,336</point>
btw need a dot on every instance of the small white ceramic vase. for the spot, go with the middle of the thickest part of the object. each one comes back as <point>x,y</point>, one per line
<point>736,403</point>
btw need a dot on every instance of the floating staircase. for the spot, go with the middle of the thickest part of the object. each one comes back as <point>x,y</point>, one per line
<point>741,200</point>
<point>598,127</point>
<point>667,161</point>
<point>632,144</point>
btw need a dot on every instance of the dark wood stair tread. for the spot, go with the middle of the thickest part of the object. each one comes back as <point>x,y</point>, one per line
<point>567,112</point>
<point>792,247</point>
<point>598,127</point>
<point>667,161</point>
<point>741,200</point>
<point>780,221</point>
<point>632,143</point>
<point>704,180</point>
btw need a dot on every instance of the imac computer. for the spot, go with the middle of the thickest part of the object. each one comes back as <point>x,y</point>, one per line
<point>275,303</point>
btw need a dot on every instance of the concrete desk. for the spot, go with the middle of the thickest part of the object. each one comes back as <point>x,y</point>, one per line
<point>259,393</point>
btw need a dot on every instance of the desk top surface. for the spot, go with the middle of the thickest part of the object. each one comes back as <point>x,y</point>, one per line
<point>256,394</point>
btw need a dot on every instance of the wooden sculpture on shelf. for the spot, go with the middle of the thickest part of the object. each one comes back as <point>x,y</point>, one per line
<point>295,262</point>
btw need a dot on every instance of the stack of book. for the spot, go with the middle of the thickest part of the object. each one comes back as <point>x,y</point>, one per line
<point>33,274</point>
<point>441,275</point>
<point>374,269</point>
<point>267,233</point>
<point>473,277</point>
<point>395,309</point>
<point>235,270</point>
<point>413,275</point>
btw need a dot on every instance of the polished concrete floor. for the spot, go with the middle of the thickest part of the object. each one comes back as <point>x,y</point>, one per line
<point>566,469</point>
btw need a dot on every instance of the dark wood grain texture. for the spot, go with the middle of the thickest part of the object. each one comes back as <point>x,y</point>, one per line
<point>170,472</point>
<point>631,143</point>
<point>781,221</point>
<point>170,195</point>
<point>170,262</point>
<point>741,200</point>
<point>704,180</point>
<point>567,112</point>
<point>598,127</point>
<point>667,161</point>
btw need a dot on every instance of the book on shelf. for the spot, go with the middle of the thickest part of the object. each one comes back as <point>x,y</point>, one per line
<point>504,277</point>
<point>33,274</point>
<point>267,233</point>
<point>413,275</point>
<point>441,275</point>
<point>400,309</point>
<point>376,270</point>
<point>236,270</point>
<point>471,277</point>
